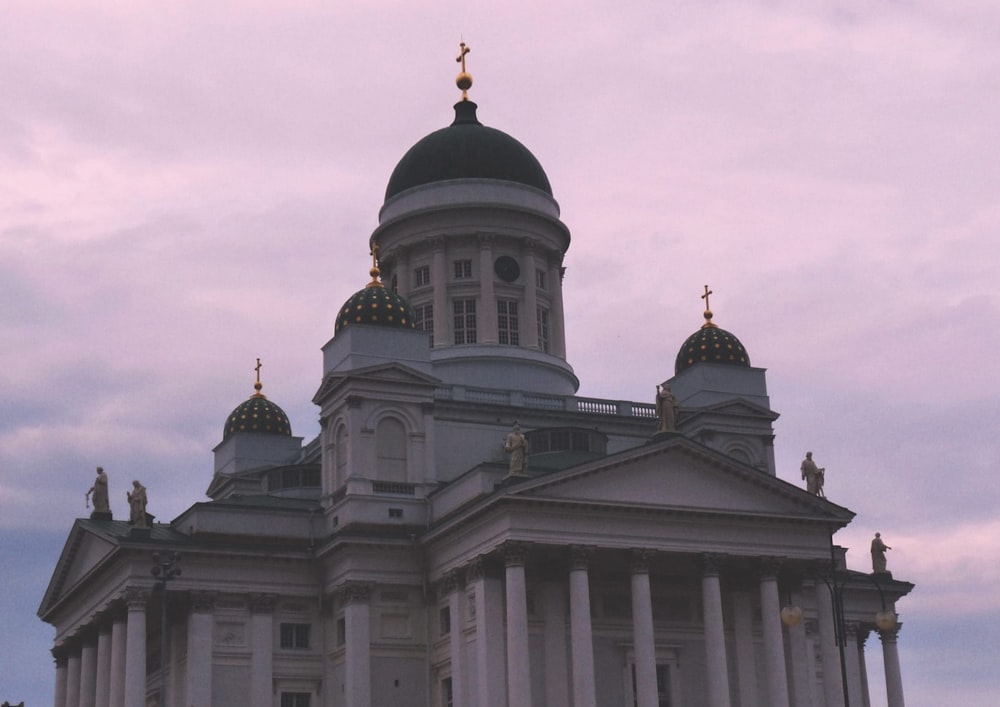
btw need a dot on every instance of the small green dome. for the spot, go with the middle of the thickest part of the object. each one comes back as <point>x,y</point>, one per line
<point>259,415</point>
<point>375,305</point>
<point>710,344</point>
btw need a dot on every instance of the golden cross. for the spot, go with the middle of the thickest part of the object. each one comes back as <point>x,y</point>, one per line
<point>705,296</point>
<point>374,254</point>
<point>461,57</point>
<point>257,368</point>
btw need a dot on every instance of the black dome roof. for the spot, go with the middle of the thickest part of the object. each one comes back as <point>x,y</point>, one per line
<point>710,344</point>
<point>260,415</point>
<point>375,305</point>
<point>467,149</point>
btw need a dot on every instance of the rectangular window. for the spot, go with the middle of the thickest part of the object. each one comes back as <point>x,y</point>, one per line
<point>422,276</point>
<point>543,328</point>
<point>447,698</point>
<point>465,321</point>
<point>295,699</point>
<point>507,330</point>
<point>667,689</point>
<point>341,631</point>
<point>444,620</point>
<point>463,269</point>
<point>423,317</point>
<point>294,635</point>
<point>540,279</point>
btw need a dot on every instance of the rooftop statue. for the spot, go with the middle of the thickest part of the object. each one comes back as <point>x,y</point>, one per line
<point>516,445</point>
<point>813,475</point>
<point>137,505</point>
<point>667,408</point>
<point>878,555</point>
<point>100,494</point>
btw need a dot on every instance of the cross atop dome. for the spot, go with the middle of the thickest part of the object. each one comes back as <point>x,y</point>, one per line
<point>464,78</point>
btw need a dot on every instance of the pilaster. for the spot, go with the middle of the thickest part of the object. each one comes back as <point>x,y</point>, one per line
<point>356,599</point>
<point>262,647</point>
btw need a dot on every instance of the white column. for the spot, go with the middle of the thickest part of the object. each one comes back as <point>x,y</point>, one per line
<point>852,664</point>
<point>833,686</point>
<point>774,643</point>
<point>73,677</point>
<point>454,585</point>
<point>102,689</point>
<point>581,634</point>
<point>88,670</point>
<point>518,662</point>
<point>893,676</point>
<point>715,634</point>
<point>866,699</point>
<point>801,667</point>
<point>556,660</point>
<point>262,647</point>
<point>746,663</point>
<point>116,692</point>
<point>135,648</point>
<point>200,625</point>
<point>357,632</point>
<point>643,632</point>
<point>812,631</point>
<point>491,685</point>
<point>60,686</point>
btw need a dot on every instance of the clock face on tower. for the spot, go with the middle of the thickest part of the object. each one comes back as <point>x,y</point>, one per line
<point>507,268</point>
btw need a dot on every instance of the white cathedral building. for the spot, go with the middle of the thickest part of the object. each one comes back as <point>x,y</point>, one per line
<point>406,558</point>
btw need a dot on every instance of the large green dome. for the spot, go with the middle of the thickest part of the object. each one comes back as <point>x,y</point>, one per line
<point>467,149</point>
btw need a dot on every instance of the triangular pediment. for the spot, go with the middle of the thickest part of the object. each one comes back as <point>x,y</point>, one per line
<point>389,373</point>
<point>736,407</point>
<point>680,476</point>
<point>84,552</point>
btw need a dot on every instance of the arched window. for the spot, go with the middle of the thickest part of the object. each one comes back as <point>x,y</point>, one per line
<point>390,450</point>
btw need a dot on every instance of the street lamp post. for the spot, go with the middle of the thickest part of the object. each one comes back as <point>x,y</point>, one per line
<point>165,568</point>
<point>835,581</point>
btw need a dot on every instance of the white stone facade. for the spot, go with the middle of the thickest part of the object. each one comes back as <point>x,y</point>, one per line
<point>391,562</point>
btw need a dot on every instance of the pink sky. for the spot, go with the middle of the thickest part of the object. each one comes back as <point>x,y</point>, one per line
<point>185,187</point>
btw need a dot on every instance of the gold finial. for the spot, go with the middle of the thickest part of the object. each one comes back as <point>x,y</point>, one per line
<point>374,272</point>
<point>258,385</point>
<point>708,311</point>
<point>464,78</point>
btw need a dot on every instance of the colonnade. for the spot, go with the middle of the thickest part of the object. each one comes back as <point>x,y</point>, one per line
<point>105,664</point>
<point>498,636</point>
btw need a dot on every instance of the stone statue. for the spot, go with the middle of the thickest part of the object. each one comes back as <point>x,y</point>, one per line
<point>814,476</point>
<point>516,445</point>
<point>878,555</point>
<point>100,494</point>
<point>667,408</point>
<point>137,505</point>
